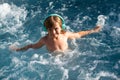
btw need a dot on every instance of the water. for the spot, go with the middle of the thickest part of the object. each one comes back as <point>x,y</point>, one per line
<point>94,57</point>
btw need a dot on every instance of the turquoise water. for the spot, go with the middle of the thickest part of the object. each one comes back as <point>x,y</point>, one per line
<point>94,57</point>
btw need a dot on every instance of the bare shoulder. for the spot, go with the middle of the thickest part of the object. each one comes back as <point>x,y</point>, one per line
<point>72,35</point>
<point>68,34</point>
<point>43,39</point>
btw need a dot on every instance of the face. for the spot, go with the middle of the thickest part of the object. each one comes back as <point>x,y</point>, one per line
<point>55,30</point>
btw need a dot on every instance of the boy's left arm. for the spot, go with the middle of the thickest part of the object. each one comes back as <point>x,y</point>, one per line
<point>83,33</point>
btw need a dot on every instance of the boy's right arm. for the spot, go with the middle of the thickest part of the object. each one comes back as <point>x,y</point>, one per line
<point>37,45</point>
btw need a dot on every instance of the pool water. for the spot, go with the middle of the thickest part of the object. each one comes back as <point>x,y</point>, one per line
<point>93,57</point>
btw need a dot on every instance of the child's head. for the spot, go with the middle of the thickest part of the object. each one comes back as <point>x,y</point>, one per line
<point>51,21</point>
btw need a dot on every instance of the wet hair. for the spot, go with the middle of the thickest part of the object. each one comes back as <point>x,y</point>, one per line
<point>50,22</point>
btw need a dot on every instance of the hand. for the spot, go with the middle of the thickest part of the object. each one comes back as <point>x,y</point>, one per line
<point>13,47</point>
<point>97,29</point>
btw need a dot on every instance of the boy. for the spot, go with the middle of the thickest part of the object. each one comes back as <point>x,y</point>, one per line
<point>56,39</point>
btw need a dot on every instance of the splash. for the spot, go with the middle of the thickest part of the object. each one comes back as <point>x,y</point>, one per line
<point>11,18</point>
<point>4,10</point>
<point>81,64</point>
<point>101,20</point>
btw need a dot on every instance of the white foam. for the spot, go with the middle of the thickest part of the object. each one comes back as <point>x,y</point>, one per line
<point>11,17</point>
<point>2,46</point>
<point>50,3</point>
<point>87,76</point>
<point>35,56</point>
<point>4,10</point>
<point>115,32</point>
<point>101,20</point>
<point>17,62</point>
<point>65,73</point>
<point>42,60</point>
<point>79,22</point>
<point>86,18</point>
<point>64,7</point>
<point>106,74</point>
<point>75,67</point>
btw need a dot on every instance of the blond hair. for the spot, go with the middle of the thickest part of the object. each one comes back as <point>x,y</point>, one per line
<point>50,22</point>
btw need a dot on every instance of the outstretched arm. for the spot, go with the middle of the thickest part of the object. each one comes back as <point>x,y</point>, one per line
<point>37,45</point>
<point>83,33</point>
